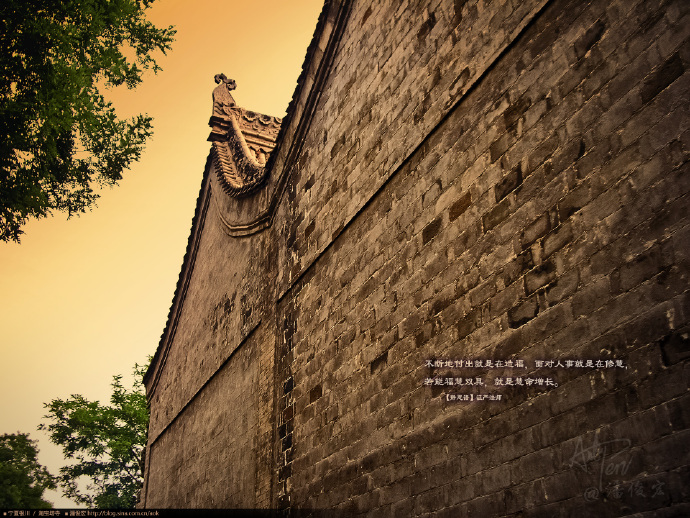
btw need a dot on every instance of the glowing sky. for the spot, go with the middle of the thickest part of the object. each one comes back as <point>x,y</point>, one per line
<point>85,299</point>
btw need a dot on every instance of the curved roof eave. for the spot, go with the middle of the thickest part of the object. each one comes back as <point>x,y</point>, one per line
<point>315,68</point>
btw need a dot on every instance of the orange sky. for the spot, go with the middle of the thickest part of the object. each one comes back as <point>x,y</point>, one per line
<point>85,299</point>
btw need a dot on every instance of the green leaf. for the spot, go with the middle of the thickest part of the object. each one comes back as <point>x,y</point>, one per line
<point>22,479</point>
<point>59,138</point>
<point>103,442</point>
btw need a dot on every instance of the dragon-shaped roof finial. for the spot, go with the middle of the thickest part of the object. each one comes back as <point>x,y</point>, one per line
<point>242,141</point>
<point>221,94</point>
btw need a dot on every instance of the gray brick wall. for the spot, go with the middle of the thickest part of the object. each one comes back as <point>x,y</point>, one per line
<point>205,458</point>
<point>480,181</point>
<point>492,184</point>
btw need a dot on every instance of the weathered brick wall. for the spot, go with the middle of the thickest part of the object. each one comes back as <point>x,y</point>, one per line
<point>217,453</point>
<point>210,441</point>
<point>490,182</point>
<point>480,180</point>
<point>205,458</point>
<point>221,304</point>
<point>399,68</point>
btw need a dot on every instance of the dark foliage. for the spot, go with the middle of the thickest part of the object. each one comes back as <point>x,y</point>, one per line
<point>59,137</point>
<point>22,479</point>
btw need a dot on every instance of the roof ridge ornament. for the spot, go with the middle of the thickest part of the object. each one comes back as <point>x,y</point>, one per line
<point>221,94</point>
<point>242,141</point>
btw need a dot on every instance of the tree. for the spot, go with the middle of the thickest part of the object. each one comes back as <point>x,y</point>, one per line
<point>59,137</point>
<point>103,442</point>
<point>22,478</point>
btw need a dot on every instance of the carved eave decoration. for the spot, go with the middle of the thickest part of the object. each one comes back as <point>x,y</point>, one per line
<point>251,159</point>
<point>242,142</point>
